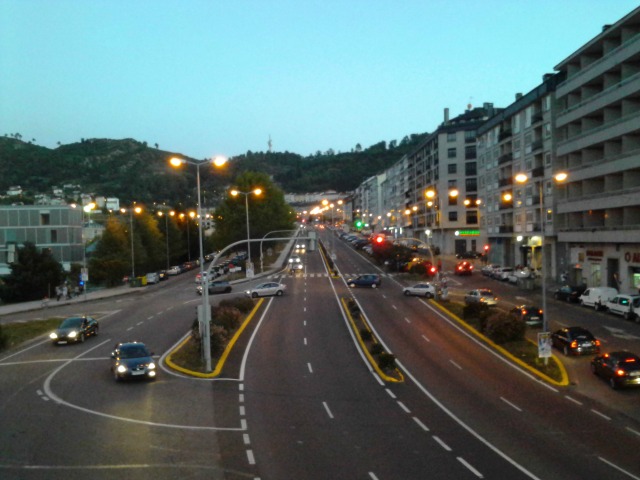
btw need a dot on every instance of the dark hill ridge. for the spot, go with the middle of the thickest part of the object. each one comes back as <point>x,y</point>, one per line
<point>133,171</point>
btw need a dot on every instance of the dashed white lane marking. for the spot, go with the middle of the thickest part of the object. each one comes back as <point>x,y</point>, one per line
<point>404,407</point>
<point>466,464</point>
<point>426,339</point>
<point>455,365</point>
<point>372,476</point>
<point>250,458</point>
<point>572,400</point>
<point>242,411</point>
<point>600,414</point>
<point>391,394</point>
<point>633,431</point>
<point>246,439</point>
<point>326,407</point>
<point>629,474</point>
<point>442,444</point>
<point>407,320</point>
<point>512,405</point>
<point>420,424</point>
<point>310,368</point>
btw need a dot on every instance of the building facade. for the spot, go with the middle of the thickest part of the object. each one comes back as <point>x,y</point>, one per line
<point>598,131</point>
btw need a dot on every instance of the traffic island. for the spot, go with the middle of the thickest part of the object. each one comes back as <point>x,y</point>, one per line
<point>384,363</point>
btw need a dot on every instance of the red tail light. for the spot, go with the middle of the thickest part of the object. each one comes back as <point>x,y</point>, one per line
<point>597,343</point>
<point>574,344</point>
<point>620,372</point>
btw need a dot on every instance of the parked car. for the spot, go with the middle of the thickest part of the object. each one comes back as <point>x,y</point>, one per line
<point>216,286</point>
<point>421,290</point>
<point>621,369</point>
<point>463,268</point>
<point>532,315</point>
<point>367,280</point>
<point>575,341</point>
<point>488,269</point>
<point>199,276</point>
<point>569,293</point>
<point>501,273</point>
<point>153,278</point>
<point>162,275</point>
<point>267,289</point>
<point>132,360</point>
<point>626,305</point>
<point>74,329</point>
<point>469,255</point>
<point>597,297</point>
<point>481,295</point>
<point>175,270</point>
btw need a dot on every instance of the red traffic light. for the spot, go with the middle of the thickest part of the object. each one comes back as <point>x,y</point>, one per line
<point>379,238</point>
<point>486,248</point>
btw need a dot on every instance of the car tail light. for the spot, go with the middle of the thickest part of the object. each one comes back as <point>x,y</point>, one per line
<point>597,343</point>
<point>574,344</point>
<point>524,312</point>
<point>620,372</point>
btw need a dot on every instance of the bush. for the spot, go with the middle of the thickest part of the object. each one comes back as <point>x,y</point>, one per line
<point>477,311</point>
<point>227,317</point>
<point>244,304</point>
<point>386,361</point>
<point>3,339</point>
<point>365,335</point>
<point>376,349</point>
<point>503,328</point>
<point>219,339</point>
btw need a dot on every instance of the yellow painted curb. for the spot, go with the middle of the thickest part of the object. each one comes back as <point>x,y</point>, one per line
<point>371,360</point>
<point>223,357</point>
<point>563,372</point>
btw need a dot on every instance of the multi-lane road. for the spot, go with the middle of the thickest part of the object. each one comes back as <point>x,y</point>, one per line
<point>297,399</point>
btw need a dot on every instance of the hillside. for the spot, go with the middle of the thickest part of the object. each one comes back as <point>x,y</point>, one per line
<point>133,171</point>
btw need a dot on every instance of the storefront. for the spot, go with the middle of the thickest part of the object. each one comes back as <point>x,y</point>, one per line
<point>606,266</point>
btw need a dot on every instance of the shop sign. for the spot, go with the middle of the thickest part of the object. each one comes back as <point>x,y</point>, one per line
<point>632,257</point>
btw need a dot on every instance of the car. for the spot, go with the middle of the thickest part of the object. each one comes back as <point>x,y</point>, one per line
<point>74,329</point>
<point>132,360</point>
<point>152,278</point>
<point>216,286</point>
<point>175,270</point>
<point>301,248</point>
<point>501,273</point>
<point>626,305</point>
<point>421,290</point>
<point>463,268</point>
<point>199,275</point>
<point>481,295</point>
<point>575,341</point>
<point>162,275</point>
<point>532,315</point>
<point>367,280</point>
<point>621,369</point>
<point>295,263</point>
<point>569,293</point>
<point>469,255</point>
<point>488,269</point>
<point>267,289</point>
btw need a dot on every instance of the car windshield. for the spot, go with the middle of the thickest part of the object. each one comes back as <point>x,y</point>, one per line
<point>133,351</point>
<point>73,322</point>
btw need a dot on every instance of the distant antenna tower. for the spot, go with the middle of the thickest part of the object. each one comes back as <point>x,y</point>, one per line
<point>269,143</point>
<point>469,105</point>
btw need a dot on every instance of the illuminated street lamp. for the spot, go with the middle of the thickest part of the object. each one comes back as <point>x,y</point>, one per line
<point>257,192</point>
<point>524,178</point>
<point>204,313</point>
<point>166,230</point>
<point>131,211</point>
<point>433,200</point>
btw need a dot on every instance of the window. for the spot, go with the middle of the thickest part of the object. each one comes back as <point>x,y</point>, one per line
<point>546,103</point>
<point>470,169</point>
<point>453,168</point>
<point>45,218</point>
<point>528,114</point>
<point>516,123</point>
<point>471,184</point>
<point>547,130</point>
<point>54,236</point>
<point>469,136</point>
<point>547,159</point>
<point>451,136</point>
<point>453,216</point>
<point>451,153</point>
<point>470,152</point>
<point>472,217</point>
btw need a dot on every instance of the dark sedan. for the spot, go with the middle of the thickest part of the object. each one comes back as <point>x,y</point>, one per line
<point>575,341</point>
<point>74,329</point>
<point>569,293</point>
<point>369,280</point>
<point>132,360</point>
<point>529,314</point>
<point>621,369</point>
<point>469,255</point>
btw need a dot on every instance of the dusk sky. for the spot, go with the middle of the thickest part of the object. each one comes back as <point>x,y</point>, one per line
<point>206,77</point>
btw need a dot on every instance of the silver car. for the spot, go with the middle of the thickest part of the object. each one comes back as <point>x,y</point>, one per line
<point>481,295</point>
<point>421,290</point>
<point>267,289</point>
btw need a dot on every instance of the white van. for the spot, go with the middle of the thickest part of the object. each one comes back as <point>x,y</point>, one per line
<point>626,305</point>
<point>597,297</point>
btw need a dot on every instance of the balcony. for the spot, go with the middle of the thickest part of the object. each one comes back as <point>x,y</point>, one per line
<point>506,158</point>
<point>505,182</point>
<point>537,117</point>
<point>537,172</point>
<point>536,145</point>
<point>503,135</point>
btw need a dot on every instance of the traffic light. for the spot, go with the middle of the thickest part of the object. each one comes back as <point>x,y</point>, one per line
<point>358,224</point>
<point>379,239</point>
<point>486,248</point>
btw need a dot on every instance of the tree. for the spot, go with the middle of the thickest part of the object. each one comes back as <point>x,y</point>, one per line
<point>34,275</point>
<point>109,263</point>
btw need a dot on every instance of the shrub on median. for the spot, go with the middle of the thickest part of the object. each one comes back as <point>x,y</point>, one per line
<point>503,327</point>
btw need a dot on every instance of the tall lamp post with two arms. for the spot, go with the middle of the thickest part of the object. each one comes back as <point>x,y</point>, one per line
<point>204,312</point>
<point>257,192</point>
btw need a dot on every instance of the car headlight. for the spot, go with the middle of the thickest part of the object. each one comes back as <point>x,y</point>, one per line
<point>152,373</point>
<point>72,334</point>
<point>53,335</point>
<point>152,366</point>
<point>121,368</point>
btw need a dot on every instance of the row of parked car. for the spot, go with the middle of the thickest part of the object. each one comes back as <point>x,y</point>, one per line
<point>602,298</point>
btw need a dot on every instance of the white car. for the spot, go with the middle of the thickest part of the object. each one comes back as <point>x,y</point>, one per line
<point>626,305</point>
<point>295,263</point>
<point>421,290</point>
<point>175,270</point>
<point>481,295</point>
<point>267,289</point>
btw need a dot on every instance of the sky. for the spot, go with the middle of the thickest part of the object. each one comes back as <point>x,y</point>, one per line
<point>213,77</point>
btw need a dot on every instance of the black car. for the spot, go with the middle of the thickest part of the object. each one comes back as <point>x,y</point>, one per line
<point>529,314</point>
<point>575,341</point>
<point>132,360</point>
<point>570,293</point>
<point>74,329</point>
<point>216,286</point>
<point>469,255</point>
<point>368,280</point>
<point>621,369</point>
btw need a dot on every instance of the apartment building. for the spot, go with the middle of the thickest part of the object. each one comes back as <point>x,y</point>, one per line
<point>442,187</point>
<point>598,132</point>
<point>54,227</point>
<point>395,193</point>
<point>518,218</point>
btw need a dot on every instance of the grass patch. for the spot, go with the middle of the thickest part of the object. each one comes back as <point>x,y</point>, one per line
<point>189,356</point>
<point>16,333</point>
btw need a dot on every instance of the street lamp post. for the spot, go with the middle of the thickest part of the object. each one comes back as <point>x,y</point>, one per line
<point>524,178</point>
<point>204,314</point>
<point>131,212</point>
<point>166,230</point>
<point>262,239</point>
<point>433,199</point>
<point>84,275</point>
<point>256,192</point>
